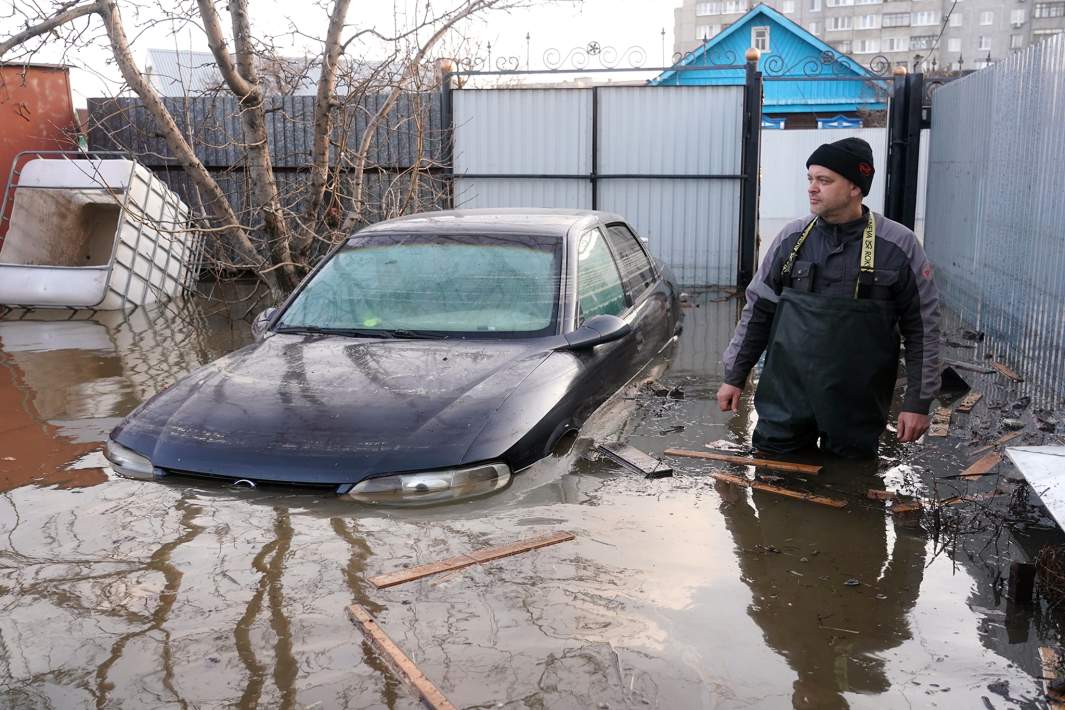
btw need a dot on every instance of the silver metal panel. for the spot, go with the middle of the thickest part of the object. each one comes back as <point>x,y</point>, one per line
<point>671,130</point>
<point>472,193</point>
<point>691,225</point>
<point>993,223</point>
<point>527,131</point>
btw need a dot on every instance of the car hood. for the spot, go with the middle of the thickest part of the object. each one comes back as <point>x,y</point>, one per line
<point>328,409</point>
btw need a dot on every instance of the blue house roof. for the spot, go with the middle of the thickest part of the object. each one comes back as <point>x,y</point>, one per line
<point>793,52</point>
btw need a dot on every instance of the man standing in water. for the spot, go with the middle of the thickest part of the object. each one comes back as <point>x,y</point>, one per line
<point>829,301</point>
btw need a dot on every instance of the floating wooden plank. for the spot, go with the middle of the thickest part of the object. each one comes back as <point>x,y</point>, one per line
<point>907,508</point>
<point>982,466</point>
<point>398,660</point>
<point>940,422</point>
<point>877,494</point>
<point>1005,438</point>
<point>744,461</point>
<point>971,366</point>
<point>810,498</point>
<point>967,404</point>
<point>474,558</point>
<point>635,460</point>
<point>1051,678</point>
<point>1003,370</point>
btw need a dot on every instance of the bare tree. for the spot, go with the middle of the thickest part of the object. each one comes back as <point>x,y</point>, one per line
<point>331,200</point>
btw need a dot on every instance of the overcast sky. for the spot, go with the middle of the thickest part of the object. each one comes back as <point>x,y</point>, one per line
<point>617,24</point>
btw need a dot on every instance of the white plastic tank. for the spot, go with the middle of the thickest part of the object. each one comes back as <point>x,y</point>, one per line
<point>93,233</point>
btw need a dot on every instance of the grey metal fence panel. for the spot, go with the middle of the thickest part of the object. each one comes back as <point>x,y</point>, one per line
<point>471,193</point>
<point>692,223</point>
<point>993,223</point>
<point>679,130</point>
<point>526,131</point>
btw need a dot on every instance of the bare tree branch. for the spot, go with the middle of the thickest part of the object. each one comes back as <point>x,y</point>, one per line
<point>323,124</point>
<point>216,199</point>
<point>216,40</point>
<point>61,17</point>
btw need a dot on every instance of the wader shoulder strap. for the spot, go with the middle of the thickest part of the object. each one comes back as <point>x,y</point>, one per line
<point>866,263</point>
<point>786,269</point>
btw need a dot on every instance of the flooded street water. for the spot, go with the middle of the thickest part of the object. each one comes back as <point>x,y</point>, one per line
<point>679,592</point>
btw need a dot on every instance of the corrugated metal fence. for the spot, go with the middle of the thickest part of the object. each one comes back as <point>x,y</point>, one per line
<point>668,159</point>
<point>410,136</point>
<point>994,219</point>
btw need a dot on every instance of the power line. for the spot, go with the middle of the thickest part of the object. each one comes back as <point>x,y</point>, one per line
<point>942,29</point>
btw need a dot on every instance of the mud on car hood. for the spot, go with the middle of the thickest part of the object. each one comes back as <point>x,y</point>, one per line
<point>328,409</point>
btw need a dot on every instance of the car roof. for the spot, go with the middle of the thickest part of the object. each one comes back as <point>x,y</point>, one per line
<point>499,221</point>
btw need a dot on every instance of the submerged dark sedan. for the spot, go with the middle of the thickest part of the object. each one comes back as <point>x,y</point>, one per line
<point>425,359</point>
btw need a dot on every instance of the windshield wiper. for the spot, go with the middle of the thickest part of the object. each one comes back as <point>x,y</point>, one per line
<point>415,334</point>
<point>343,332</point>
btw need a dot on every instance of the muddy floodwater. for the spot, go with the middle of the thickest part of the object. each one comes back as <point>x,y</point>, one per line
<point>679,592</point>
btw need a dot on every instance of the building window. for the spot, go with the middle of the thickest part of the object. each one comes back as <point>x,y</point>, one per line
<point>868,2</point>
<point>703,9</point>
<point>866,46</point>
<point>922,41</point>
<point>843,46</point>
<point>1049,9</point>
<point>705,32</point>
<point>814,27</point>
<point>839,3</point>
<point>1016,41</point>
<point>896,44</point>
<point>835,24</point>
<point>760,38</point>
<point>987,18</point>
<point>924,18</point>
<point>956,19</point>
<point>985,43</point>
<point>732,6</point>
<point>896,19</point>
<point>1040,35</point>
<point>788,7</point>
<point>954,44</point>
<point>815,6</point>
<point>868,22</point>
<point>1017,17</point>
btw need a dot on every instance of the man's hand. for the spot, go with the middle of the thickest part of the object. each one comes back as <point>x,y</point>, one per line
<point>912,425</point>
<point>728,397</point>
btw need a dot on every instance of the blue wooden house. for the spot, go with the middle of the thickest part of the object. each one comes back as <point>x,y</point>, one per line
<point>826,83</point>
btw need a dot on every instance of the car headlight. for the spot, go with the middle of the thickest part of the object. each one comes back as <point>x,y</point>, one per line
<point>127,462</point>
<point>432,486</point>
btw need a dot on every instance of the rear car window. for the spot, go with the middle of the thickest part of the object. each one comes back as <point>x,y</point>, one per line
<point>599,288</point>
<point>636,269</point>
<point>469,284</point>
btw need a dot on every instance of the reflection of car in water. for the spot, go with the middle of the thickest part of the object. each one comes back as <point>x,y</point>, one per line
<point>425,359</point>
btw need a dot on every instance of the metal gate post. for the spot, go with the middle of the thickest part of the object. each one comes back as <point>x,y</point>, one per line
<point>448,119</point>
<point>904,148</point>
<point>752,133</point>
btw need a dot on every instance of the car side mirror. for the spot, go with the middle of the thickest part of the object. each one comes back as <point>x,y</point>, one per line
<point>596,331</point>
<point>261,322</point>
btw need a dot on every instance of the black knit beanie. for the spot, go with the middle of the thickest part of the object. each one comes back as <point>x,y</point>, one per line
<point>851,157</point>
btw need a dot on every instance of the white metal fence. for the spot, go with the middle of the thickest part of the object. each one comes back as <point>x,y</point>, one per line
<point>783,191</point>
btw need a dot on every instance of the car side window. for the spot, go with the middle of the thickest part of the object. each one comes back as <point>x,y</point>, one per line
<point>599,289</point>
<point>636,269</point>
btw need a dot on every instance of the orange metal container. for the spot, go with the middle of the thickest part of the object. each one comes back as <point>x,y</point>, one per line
<point>36,113</point>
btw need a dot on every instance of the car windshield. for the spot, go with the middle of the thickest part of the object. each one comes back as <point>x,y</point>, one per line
<point>469,285</point>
